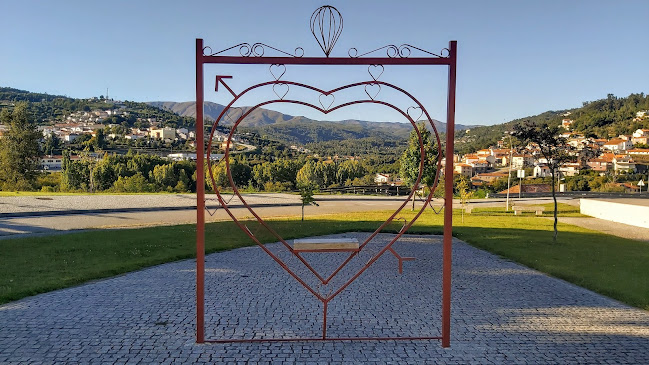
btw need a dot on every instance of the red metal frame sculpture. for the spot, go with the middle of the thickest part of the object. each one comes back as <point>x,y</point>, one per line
<point>326,26</point>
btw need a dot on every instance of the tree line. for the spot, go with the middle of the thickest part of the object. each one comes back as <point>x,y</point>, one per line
<point>272,168</point>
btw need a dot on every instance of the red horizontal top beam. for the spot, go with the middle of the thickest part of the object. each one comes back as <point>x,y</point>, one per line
<point>328,60</point>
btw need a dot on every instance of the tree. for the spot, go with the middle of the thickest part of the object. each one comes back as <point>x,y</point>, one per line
<point>75,175</point>
<point>349,170</point>
<point>164,176</point>
<point>100,140</point>
<point>465,194</point>
<point>19,149</point>
<point>133,184</point>
<point>411,158</point>
<point>552,147</point>
<point>306,195</point>
<point>52,143</point>
<point>307,175</point>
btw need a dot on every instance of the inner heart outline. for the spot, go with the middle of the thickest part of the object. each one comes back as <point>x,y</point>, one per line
<point>388,246</point>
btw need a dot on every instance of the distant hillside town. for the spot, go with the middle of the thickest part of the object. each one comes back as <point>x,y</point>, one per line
<point>623,154</point>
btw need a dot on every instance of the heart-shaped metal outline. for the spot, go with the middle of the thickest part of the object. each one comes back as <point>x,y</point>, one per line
<point>280,85</point>
<point>370,69</point>
<point>233,114</point>
<point>277,65</point>
<point>371,86</point>
<point>333,99</point>
<point>421,112</point>
<point>325,111</point>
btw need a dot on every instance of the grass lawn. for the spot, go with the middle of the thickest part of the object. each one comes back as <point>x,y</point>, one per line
<point>565,210</point>
<point>613,266</point>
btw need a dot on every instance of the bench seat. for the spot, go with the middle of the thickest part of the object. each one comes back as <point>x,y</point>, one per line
<point>326,245</point>
<point>518,209</point>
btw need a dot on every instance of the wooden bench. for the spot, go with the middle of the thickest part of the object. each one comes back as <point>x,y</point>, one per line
<point>519,209</point>
<point>326,245</point>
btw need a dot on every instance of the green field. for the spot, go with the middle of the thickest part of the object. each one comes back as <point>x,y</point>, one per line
<point>610,265</point>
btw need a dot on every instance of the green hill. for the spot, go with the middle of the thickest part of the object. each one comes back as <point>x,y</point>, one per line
<point>49,109</point>
<point>603,118</point>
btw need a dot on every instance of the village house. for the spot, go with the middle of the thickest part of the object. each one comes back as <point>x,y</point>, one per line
<point>617,144</point>
<point>600,141</point>
<point>54,162</point>
<point>566,123</point>
<point>133,137</point>
<point>463,169</point>
<point>489,177</point>
<point>570,169</point>
<point>641,115</point>
<point>69,137</point>
<point>623,163</point>
<point>578,142</point>
<point>471,157</point>
<point>638,152</point>
<point>528,188</point>
<point>600,164</point>
<point>541,170</point>
<point>499,153</point>
<point>479,166</point>
<point>383,179</point>
<point>640,136</point>
<point>162,133</point>
<point>520,161</point>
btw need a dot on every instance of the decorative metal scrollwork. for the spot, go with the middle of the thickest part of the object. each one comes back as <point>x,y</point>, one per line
<point>402,51</point>
<point>326,26</point>
<point>255,50</point>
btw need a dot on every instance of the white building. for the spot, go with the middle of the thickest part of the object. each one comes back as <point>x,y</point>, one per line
<point>541,170</point>
<point>162,133</point>
<point>383,179</point>
<point>617,144</point>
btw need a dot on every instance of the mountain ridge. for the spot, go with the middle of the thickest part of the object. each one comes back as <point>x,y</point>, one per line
<point>263,117</point>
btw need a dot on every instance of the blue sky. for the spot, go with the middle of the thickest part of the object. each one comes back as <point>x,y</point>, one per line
<point>516,58</point>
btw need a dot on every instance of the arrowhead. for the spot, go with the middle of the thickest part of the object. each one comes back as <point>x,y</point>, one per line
<point>219,78</point>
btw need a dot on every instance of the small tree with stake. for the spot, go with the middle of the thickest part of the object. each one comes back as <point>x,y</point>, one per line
<point>465,195</point>
<point>552,147</point>
<point>306,194</point>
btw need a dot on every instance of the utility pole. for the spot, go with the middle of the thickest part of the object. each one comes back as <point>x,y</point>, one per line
<point>509,174</point>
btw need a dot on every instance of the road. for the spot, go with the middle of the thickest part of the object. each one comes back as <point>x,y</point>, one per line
<point>44,215</point>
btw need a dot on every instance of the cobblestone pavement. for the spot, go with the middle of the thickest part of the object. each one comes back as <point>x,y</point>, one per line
<point>502,313</point>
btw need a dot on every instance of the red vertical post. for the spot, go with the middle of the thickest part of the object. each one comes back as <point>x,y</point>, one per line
<point>448,199</point>
<point>200,198</point>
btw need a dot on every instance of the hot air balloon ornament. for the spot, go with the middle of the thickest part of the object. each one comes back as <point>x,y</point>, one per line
<point>326,26</point>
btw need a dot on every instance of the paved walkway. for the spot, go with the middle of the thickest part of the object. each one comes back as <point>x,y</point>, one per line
<point>38,215</point>
<point>502,313</point>
<point>608,227</point>
<point>22,216</point>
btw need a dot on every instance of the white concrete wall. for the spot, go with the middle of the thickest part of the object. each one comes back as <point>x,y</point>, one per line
<point>635,215</point>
